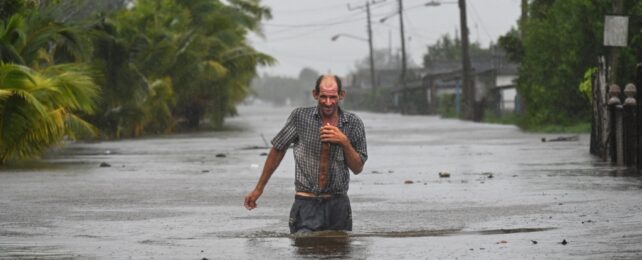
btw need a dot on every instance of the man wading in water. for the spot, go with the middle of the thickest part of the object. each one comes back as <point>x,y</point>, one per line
<point>327,142</point>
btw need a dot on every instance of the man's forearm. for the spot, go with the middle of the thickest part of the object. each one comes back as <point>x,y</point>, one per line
<point>352,158</point>
<point>271,163</point>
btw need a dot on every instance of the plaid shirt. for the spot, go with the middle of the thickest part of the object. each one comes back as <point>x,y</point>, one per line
<point>302,130</point>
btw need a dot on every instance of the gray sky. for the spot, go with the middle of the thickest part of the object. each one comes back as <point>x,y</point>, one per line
<point>299,35</point>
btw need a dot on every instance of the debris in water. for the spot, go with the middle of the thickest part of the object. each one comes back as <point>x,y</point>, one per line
<point>408,182</point>
<point>534,242</point>
<point>221,155</point>
<point>263,154</point>
<point>562,139</point>
<point>205,171</point>
<point>564,242</point>
<point>104,164</point>
<point>444,175</point>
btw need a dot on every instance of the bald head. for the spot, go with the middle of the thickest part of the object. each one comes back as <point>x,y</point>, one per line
<point>328,79</point>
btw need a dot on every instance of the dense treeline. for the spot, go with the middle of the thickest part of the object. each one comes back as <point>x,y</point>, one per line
<point>117,68</point>
<point>558,42</point>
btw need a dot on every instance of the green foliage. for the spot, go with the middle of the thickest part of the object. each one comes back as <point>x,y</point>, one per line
<point>155,63</point>
<point>11,7</point>
<point>586,86</point>
<point>196,47</point>
<point>506,118</point>
<point>511,42</point>
<point>38,109</point>
<point>562,40</point>
<point>37,40</point>
<point>446,106</point>
<point>450,49</point>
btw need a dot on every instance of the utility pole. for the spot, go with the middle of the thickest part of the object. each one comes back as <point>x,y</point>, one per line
<point>468,108</point>
<point>372,66</point>
<point>614,58</point>
<point>402,78</point>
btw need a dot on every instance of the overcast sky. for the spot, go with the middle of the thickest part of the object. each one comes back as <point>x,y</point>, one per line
<point>299,34</point>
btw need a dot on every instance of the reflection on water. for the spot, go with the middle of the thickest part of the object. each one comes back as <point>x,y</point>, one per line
<point>320,246</point>
<point>328,244</point>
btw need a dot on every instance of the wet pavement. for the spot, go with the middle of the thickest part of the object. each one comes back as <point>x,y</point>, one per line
<point>508,196</point>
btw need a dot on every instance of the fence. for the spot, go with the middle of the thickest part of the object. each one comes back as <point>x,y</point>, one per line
<point>615,134</point>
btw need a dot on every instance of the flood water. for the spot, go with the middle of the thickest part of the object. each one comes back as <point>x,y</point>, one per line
<point>508,196</point>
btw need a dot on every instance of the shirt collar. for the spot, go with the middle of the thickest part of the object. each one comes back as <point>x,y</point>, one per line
<point>342,118</point>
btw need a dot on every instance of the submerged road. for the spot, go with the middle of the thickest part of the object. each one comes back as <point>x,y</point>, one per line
<point>508,196</point>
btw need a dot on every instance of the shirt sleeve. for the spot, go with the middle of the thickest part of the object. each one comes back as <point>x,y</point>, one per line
<point>287,135</point>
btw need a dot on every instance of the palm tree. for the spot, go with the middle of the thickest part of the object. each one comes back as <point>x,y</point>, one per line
<point>38,109</point>
<point>35,37</point>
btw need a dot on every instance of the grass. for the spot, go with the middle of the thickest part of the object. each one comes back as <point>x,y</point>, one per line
<point>512,119</point>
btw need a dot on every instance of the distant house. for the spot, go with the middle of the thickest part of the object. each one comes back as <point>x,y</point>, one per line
<point>425,88</point>
<point>493,78</point>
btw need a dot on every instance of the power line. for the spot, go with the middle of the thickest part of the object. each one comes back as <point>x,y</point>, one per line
<point>316,24</point>
<point>479,19</point>
<point>311,10</point>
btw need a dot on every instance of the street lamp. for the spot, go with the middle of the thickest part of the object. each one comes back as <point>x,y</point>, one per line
<point>437,3</point>
<point>369,40</point>
<point>336,37</point>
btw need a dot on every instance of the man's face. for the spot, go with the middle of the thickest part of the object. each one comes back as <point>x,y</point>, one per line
<point>328,96</point>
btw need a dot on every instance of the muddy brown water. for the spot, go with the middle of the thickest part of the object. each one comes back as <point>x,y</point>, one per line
<point>509,196</point>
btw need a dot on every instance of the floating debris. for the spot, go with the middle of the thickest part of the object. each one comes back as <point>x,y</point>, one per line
<point>104,164</point>
<point>564,242</point>
<point>534,242</point>
<point>444,175</point>
<point>221,155</point>
<point>488,175</point>
<point>264,154</point>
<point>205,171</point>
<point>408,182</point>
<point>562,139</point>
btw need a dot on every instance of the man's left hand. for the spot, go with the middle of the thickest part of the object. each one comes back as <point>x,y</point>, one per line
<point>333,134</point>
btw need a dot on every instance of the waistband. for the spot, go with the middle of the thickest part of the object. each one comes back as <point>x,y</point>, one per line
<point>310,195</point>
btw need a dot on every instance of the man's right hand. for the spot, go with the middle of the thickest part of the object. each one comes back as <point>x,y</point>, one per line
<point>250,199</point>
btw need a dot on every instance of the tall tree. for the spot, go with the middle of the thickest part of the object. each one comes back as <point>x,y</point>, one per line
<point>196,48</point>
<point>450,49</point>
<point>563,41</point>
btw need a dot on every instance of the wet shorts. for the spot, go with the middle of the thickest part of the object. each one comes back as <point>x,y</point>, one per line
<point>311,214</point>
